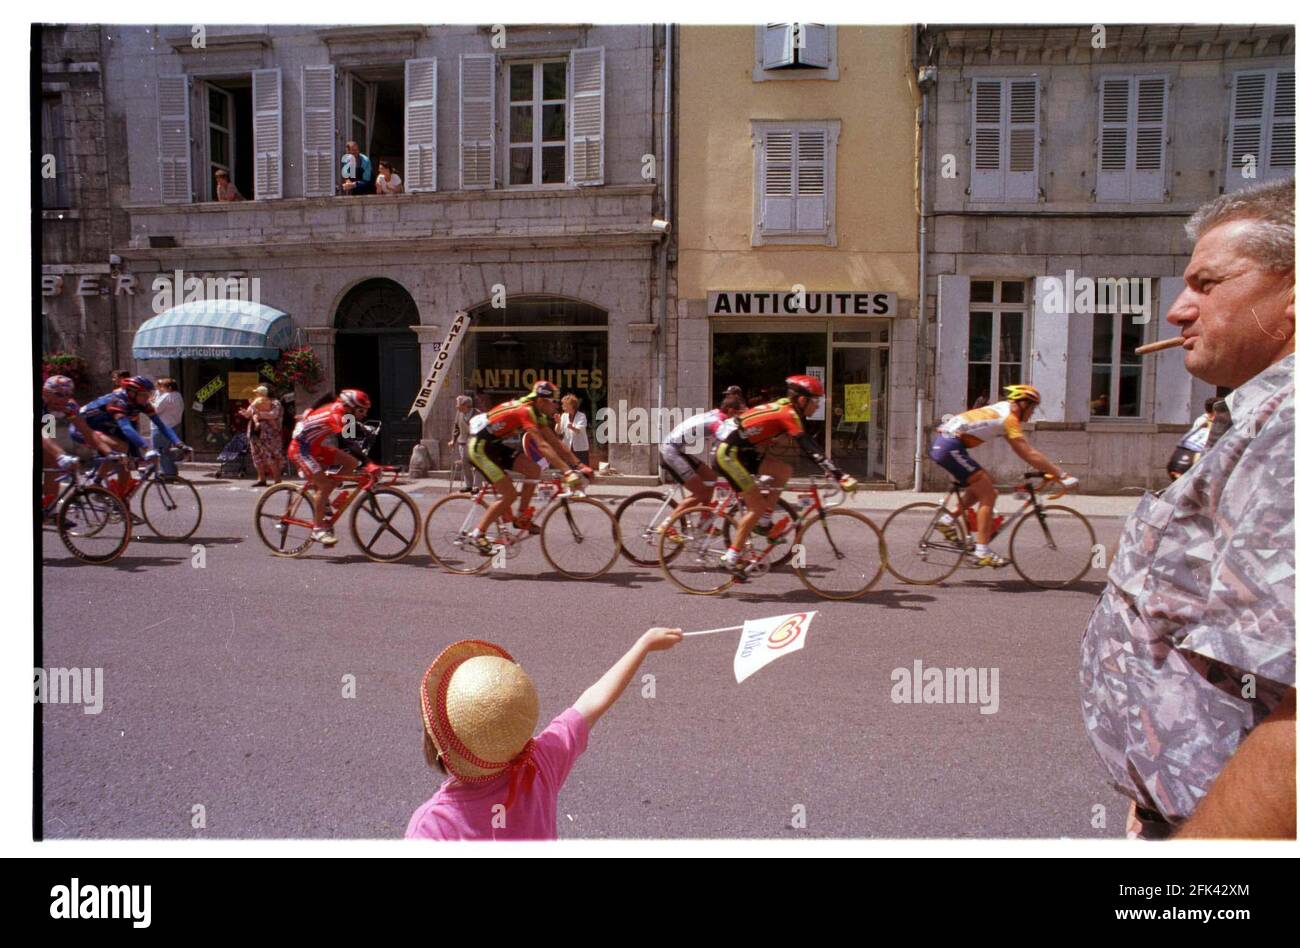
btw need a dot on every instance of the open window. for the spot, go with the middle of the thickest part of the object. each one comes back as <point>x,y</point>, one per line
<point>795,51</point>
<point>226,140</point>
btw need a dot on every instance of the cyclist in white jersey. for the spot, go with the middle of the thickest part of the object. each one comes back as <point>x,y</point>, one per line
<point>689,469</point>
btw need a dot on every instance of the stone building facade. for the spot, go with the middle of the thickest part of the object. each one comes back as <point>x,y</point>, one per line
<point>1060,156</point>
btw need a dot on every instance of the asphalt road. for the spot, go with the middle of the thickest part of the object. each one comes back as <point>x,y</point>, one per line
<point>223,690</point>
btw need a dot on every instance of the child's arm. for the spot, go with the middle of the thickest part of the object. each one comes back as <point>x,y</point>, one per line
<point>597,699</point>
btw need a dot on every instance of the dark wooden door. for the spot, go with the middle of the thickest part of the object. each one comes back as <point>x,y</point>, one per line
<point>399,379</point>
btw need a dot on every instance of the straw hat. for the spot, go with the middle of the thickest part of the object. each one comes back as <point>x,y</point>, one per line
<point>480,710</point>
<point>262,390</point>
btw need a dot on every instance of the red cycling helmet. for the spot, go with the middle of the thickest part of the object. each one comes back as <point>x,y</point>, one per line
<point>806,385</point>
<point>355,399</point>
<point>136,383</point>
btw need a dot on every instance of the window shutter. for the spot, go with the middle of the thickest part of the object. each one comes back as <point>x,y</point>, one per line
<point>952,344</point>
<point>986,183</point>
<point>1174,404</point>
<point>477,120</point>
<point>1281,138</point>
<point>1049,354</point>
<point>1022,138</point>
<point>421,125</point>
<point>1246,130</point>
<point>174,139</point>
<point>318,171</point>
<point>816,45</point>
<point>778,45</point>
<point>268,134</point>
<point>778,181</point>
<point>810,183</point>
<point>1148,183</point>
<point>1113,141</point>
<point>587,116</point>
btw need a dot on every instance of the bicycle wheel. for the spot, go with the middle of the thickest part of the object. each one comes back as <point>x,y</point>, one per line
<point>173,510</point>
<point>385,524</point>
<point>761,544</point>
<point>639,517</point>
<point>283,518</point>
<point>446,534</point>
<point>1055,551</point>
<point>916,551</point>
<point>580,537</point>
<point>94,525</point>
<point>843,554</point>
<point>691,550</point>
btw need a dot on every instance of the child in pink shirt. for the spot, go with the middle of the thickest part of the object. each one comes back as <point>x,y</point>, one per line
<point>480,709</point>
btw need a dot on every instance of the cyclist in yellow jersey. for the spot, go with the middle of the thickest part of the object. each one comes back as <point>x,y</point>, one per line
<point>960,433</point>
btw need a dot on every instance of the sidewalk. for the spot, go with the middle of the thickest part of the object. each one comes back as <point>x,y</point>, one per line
<point>428,488</point>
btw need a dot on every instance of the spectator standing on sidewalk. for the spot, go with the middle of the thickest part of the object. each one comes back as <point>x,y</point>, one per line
<point>572,427</point>
<point>170,407</point>
<point>460,437</point>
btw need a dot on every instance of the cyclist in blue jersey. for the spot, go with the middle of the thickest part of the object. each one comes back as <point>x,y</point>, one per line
<point>111,419</point>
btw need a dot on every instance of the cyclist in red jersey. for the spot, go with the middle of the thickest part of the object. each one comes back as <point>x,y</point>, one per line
<point>493,450</point>
<point>740,463</point>
<point>315,447</point>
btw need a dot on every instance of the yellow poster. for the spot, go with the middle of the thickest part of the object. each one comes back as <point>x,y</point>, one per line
<point>242,385</point>
<point>857,402</point>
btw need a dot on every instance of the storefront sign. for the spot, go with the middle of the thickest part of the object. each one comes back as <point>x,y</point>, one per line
<point>494,380</point>
<point>441,363</point>
<point>857,402</point>
<point>832,303</point>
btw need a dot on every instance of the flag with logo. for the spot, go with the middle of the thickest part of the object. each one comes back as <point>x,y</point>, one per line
<point>763,641</point>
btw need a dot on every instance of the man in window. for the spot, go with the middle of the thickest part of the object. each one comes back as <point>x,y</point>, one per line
<point>358,178</point>
<point>226,190</point>
<point>1188,665</point>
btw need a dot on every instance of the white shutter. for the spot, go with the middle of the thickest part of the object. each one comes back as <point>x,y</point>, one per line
<point>1149,137</point>
<point>816,49</point>
<point>1022,140</point>
<point>778,45</point>
<point>477,120</point>
<point>268,134</point>
<point>421,125</point>
<point>1246,130</point>
<point>587,116</point>
<point>952,344</point>
<point>810,182</point>
<point>1049,352</point>
<point>174,138</point>
<point>318,173</point>
<point>986,181</point>
<point>1281,133</point>
<point>1113,161</point>
<point>778,184</point>
<point>1173,381</point>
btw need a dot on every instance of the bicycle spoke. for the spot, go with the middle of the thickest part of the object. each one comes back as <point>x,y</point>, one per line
<point>843,554</point>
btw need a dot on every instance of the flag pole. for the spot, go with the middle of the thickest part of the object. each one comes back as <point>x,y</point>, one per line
<point>726,628</point>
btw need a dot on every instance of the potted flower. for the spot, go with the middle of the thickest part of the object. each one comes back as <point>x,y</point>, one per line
<point>299,366</point>
<point>65,363</point>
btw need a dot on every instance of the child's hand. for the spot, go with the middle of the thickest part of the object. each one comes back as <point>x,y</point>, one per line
<point>658,640</point>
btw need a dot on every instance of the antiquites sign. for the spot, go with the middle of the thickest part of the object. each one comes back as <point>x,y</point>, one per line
<point>802,303</point>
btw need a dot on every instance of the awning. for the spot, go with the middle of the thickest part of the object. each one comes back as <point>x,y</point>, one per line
<point>214,329</point>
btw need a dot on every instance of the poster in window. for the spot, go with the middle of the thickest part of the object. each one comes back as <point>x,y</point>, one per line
<point>857,402</point>
<point>242,385</point>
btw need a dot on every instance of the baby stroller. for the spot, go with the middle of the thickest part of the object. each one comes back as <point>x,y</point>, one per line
<point>235,459</point>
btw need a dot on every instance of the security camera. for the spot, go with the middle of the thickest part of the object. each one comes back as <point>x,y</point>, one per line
<point>662,227</point>
<point>926,76</point>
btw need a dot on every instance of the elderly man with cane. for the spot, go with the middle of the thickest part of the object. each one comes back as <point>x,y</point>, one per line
<point>1188,664</point>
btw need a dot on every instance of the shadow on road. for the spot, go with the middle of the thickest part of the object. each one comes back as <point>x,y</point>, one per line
<point>126,563</point>
<point>1091,588</point>
<point>206,541</point>
<point>889,598</point>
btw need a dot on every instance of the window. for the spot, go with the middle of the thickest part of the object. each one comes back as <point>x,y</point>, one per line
<point>537,120</point>
<point>1116,390</point>
<point>1261,137</point>
<point>221,138</point>
<point>997,339</point>
<point>794,182</point>
<point>1131,139</point>
<point>795,51</point>
<point>54,191</point>
<point>1004,139</point>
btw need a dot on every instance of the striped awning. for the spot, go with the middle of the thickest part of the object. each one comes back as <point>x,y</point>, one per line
<point>214,329</point>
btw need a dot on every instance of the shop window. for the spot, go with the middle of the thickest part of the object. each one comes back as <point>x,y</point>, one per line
<point>997,339</point>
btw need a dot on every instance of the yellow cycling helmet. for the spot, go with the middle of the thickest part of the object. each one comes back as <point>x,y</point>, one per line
<point>1017,392</point>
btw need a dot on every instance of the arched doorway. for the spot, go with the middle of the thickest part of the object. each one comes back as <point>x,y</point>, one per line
<point>376,351</point>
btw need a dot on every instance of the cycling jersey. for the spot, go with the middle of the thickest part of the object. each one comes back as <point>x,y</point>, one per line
<point>979,424</point>
<point>511,417</point>
<point>314,438</point>
<point>737,457</point>
<point>113,414</point>
<point>698,429</point>
<point>1198,436</point>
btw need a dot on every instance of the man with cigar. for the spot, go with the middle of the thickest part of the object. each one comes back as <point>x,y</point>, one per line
<point>1188,664</point>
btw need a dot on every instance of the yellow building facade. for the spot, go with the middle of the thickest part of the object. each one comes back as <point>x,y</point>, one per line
<point>797,227</point>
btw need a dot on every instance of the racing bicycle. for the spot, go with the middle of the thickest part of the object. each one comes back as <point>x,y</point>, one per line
<point>93,522</point>
<point>171,506</point>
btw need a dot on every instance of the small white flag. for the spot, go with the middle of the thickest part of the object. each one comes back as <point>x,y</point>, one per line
<point>765,640</point>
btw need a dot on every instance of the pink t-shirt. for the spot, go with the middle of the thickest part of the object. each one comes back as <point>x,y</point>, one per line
<point>464,810</point>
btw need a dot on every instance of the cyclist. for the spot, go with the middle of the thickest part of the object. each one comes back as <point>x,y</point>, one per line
<point>960,433</point>
<point>315,447</point>
<point>740,463</point>
<point>492,449</point>
<point>1192,445</point>
<point>690,470</point>
<point>56,399</point>
<point>111,420</point>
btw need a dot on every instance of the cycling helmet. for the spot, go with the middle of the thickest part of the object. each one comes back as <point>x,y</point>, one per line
<point>543,389</point>
<point>59,385</point>
<point>355,399</point>
<point>136,383</point>
<point>1017,392</point>
<point>805,385</point>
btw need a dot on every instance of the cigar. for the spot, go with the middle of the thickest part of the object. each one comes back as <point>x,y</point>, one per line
<point>1159,346</point>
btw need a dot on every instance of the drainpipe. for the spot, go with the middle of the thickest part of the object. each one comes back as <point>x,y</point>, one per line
<point>925,79</point>
<point>665,171</point>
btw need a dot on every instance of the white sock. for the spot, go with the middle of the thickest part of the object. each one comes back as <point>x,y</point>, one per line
<point>982,549</point>
<point>731,555</point>
<point>475,533</point>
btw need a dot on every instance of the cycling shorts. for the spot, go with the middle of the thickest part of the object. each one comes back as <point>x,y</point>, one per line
<point>491,456</point>
<point>680,465</point>
<point>951,455</point>
<point>315,458</point>
<point>738,463</point>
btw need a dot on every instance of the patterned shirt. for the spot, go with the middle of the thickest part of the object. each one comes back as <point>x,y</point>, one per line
<point>1192,644</point>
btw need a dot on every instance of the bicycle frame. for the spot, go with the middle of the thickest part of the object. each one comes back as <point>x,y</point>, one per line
<point>549,490</point>
<point>1032,501</point>
<point>366,478</point>
<point>724,509</point>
